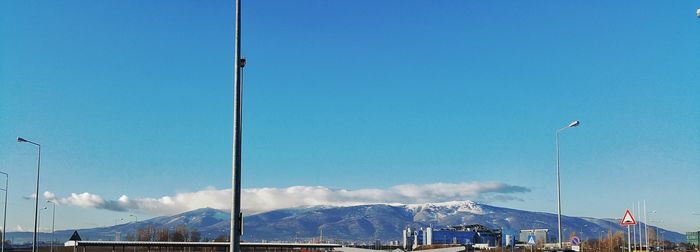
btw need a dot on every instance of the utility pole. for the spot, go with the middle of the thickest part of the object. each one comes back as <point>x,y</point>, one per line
<point>236,218</point>
<point>4,218</point>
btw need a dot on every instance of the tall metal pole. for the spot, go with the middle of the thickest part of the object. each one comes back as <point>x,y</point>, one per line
<point>36,201</point>
<point>39,220</point>
<point>629,239</point>
<point>4,217</point>
<point>639,225</point>
<point>558,194</point>
<point>646,232</point>
<point>236,228</point>
<point>53,223</point>
<point>572,124</point>
<point>634,231</point>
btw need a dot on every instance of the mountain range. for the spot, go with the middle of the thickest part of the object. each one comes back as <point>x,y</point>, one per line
<point>356,223</point>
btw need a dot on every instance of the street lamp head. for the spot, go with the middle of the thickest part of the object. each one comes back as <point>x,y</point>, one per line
<point>21,140</point>
<point>574,124</point>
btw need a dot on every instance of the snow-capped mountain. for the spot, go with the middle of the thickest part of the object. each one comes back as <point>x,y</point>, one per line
<point>364,222</point>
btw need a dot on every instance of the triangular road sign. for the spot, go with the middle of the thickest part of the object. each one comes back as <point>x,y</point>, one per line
<point>75,236</point>
<point>531,240</point>
<point>628,219</point>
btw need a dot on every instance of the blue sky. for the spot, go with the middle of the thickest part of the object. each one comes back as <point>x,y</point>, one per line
<point>135,98</point>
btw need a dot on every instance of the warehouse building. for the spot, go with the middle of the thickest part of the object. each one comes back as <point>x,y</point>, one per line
<point>693,238</point>
<point>476,236</point>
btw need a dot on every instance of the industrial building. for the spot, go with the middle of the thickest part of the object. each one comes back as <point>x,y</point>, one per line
<point>693,237</point>
<point>477,236</point>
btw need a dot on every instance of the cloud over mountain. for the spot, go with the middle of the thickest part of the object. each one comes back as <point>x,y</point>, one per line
<point>256,200</point>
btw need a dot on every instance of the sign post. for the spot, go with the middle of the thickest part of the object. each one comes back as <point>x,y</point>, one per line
<point>628,220</point>
<point>575,244</point>
<point>531,240</point>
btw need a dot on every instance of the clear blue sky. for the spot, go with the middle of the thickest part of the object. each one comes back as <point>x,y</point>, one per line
<point>135,98</point>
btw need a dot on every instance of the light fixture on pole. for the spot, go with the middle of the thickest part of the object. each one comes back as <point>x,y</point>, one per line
<point>53,222</point>
<point>36,202</point>
<point>571,125</point>
<point>4,217</point>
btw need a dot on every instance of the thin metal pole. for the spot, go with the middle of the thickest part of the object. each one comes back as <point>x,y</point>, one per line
<point>634,231</point>
<point>36,201</point>
<point>235,235</point>
<point>53,224</point>
<point>639,224</point>
<point>646,232</point>
<point>629,239</point>
<point>657,236</point>
<point>4,218</point>
<point>572,124</point>
<point>558,194</point>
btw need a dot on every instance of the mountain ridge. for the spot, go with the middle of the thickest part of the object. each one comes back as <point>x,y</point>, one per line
<point>361,222</point>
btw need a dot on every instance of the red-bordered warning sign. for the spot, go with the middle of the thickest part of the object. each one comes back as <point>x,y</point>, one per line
<point>628,219</point>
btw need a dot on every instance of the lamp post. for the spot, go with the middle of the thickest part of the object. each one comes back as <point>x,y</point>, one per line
<point>36,202</point>
<point>4,217</point>
<point>656,229</point>
<point>572,124</point>
<point>39,219</point>
<point>117,234</point>
<point>236,218</point>
<point>53,222</point>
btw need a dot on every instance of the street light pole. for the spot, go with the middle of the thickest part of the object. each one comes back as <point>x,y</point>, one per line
<point>4,217</point>
<point>572,124</point>
<point>53,222</point>
<point>236,218</point>
<point>39,219</point>
<point>36,201</point>
<point>656,229</point>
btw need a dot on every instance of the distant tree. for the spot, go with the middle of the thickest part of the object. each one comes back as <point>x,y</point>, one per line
<point>651,233</point>
<point>195,235</point>
<point>162,234</point>
<point>619,239</point>
<point>146,233</point>
<point>130,237</point>
<point>180,234</point>
<point>222,238</point>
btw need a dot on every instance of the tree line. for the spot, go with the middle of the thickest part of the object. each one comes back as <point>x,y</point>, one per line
<point>179,234</point>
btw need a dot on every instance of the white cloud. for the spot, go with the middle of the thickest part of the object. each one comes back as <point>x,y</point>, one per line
<point>49,195</point>
<point>257,200</point>
<point>31,196</point>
